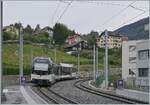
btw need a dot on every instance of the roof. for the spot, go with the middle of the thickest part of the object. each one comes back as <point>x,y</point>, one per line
<point>75,44</point>
<point>43,58</point>
<point>111,33</point>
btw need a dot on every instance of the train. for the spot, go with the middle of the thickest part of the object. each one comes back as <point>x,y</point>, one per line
<point>46,72</point>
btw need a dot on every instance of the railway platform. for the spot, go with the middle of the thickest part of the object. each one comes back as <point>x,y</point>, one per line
<point>21,95</point>
<point>133,94</point>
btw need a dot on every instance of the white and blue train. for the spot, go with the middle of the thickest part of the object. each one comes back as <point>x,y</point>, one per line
<point>46,72</point>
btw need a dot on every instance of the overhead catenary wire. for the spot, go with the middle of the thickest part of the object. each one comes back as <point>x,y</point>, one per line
<point>104,3</point>
<point>105,22</point>
<point>55,12</point>
<point>64,10</point>
<point>130,20</point>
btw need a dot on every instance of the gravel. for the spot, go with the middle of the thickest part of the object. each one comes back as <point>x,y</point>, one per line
<point>66,89</point>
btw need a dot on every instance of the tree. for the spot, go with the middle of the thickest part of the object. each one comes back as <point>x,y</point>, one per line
<point>91,38</point>
<point>61,32</point>
<point>28,29</point>
<point>37,28</point>
<point>17,25</point>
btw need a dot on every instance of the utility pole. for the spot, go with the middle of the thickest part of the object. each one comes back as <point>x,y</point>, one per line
<point>106,59</point>
<point>55,53</point>
<point>94,62</point>
<point>31,55</point>
<point>1,28</point>
<point>79,58</point>
<point>21,52</point>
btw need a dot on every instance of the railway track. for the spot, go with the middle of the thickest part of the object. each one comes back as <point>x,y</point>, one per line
<point>52,97</point>
<point>79,85</point>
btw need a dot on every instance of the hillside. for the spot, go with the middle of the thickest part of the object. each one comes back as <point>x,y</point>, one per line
<point>11,58</point>
<point>135,30</point>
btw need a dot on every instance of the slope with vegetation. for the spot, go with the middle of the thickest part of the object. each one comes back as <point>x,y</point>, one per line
<point>135,31</point>
<point>11,58</point>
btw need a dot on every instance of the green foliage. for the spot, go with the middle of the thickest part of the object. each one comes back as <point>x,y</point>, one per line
<point>9,36</point>
<point>99,80</point>
<point>28,29</point>
<point>91,38</point>
<point>113,79</point>
<point>11,57</point>
<point>114,56</point>
<point>61,32</point>
<point>40,38</point>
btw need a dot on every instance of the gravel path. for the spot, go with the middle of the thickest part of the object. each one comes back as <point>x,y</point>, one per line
<point>67,89</point>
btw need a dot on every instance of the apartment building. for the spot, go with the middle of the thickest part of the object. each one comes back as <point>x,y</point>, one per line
<point>114,40</point>
<point>129,59</point>
<point>142,77</point>
<point>135,56</point>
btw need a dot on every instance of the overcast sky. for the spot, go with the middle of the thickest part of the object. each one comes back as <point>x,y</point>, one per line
<point>80,16</point>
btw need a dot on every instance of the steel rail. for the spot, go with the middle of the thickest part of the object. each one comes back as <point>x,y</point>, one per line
<point>43,95</point>
<point>46,93</point>
<point>62,97</point>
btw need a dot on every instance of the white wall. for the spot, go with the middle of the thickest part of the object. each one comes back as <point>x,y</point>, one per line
<point>142,81</point>
<point>126,55</point>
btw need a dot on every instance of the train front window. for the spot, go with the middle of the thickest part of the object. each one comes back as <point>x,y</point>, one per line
<point>46,61</point>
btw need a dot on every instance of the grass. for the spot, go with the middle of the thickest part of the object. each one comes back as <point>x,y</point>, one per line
<point>11,58</point>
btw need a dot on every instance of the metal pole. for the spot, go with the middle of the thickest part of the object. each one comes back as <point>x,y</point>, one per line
<point>79,48</point>
<point>31,55</point>
<point>78,61</point>
<point>1,28</point>
<point>21,52</point>
<point>94,62</point>
<point>106,59</point>
<point>55,53</point>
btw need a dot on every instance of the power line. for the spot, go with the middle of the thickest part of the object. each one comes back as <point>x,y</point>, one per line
<point>115,4</point>
<point>55,12</point>
<point>137,8</point>
<point>104,3</point>
<point>130,19</point>
<point>64,10</point>
<point>117,13</point>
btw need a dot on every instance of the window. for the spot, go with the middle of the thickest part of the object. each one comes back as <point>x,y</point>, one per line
<point>143,54</point>
<point>143,72</point>
<point>132,48</point>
